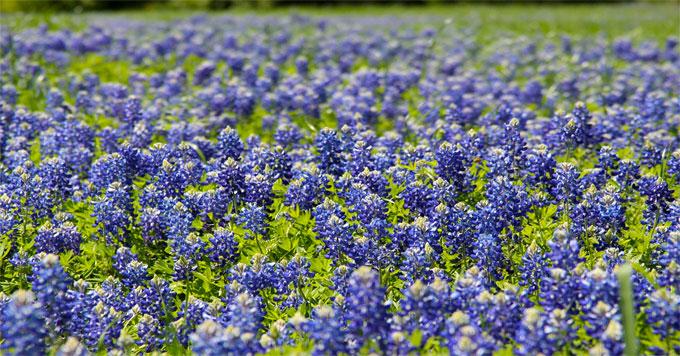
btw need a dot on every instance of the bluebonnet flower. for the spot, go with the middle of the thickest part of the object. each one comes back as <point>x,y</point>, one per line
<point>674,165</point>
<point>111,293</point>
<point>244,102</point>
<point>21,259</point>
<point>499,162</point>
<point>418,197</point>
<point>260,275</point>
<point>533,92</point>
<point>4,301</point>
<point>23,326</point>
<point>652,107</point>
<point>50,284</point>
<point>230,176</point>
<point>465,338</point>
<point>133,272</point>
<point>132,111</point>
<point>302,65</point>
<point>456,226</point>
<point>80,301</point>
<point>467,288</point>
<point>229,144</point>
<point>424,307</point>
<point>452,165</point>
<point>509,201</point>
<point>662,313</point>
<point>54,174</point>
<point>329,149</point>
<point>360,157</point>
<point>628,173</point>
<point>339,279</point>
<point>258,190</point>
<point>565,183</point>
<point>278,164</point>
<point>657,195</point>
<point>558,289</point>
<point>254,218</point>
<point>366,311</point>
<point>64,237</point>
<point>151,225</point>
<point>40,199</point>
<point>651,154</point>
<point>140,136</point>
<point>564,248</point>
<point>371,211</point>
<point>54,98</point>
<point>150,333</point>
<point>203,72</point>
<point>611,341</point>
<point>487,251</point>
<point>333,230</point>
<point>514,144</point>
<point>244,312</point>
<point>211,339</point>
<point>326,331</point>
<point>72,347</point>
<point>104,327</point>
<point>418,261</point>
<point>499,314</point>
<point>595,177</point>
<point>306,189</point>
<point>532,270</point>
<point>223,248</point>
<point>673,215</point>
<point>598,318</point>
<point>287,135</point>
<point>112,212</point>
<point>190,315</point>
<point>279,334</point>
<point>151,196</point>
<point>668,261</point>
<point>399,343</point>
<point>176,220</point>
<point>297,270</point>
<point>174,177</point>
<point>85,102</point>
<point>366,250</point>
<point>488,219</point>
<point>8,93</point>
<point>192,247</point>
<point>543,332</point>
<point>187,252</point>
<point>108,169</point>
<point>577,129</point>
<point>156,299</point>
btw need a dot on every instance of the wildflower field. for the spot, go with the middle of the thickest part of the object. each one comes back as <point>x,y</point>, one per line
<point>464,181</point>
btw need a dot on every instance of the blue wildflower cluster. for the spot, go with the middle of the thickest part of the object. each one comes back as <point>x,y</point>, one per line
<point>335,185</point>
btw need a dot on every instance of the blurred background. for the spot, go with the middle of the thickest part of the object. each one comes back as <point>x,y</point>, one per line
<point>105,5</point>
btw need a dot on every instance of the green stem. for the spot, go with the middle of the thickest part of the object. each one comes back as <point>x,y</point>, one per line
<point>302,293</point>
<point>188,293</point>
<point>257,241</point>
<point>626,304</point>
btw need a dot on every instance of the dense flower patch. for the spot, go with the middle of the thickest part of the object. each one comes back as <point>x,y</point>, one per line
<point>335,185</point>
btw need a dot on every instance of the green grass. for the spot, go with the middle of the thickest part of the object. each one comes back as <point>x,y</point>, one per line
<point>648,21</point>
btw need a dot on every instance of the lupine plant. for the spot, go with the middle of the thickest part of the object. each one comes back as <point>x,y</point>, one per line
<point>243,185</point>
